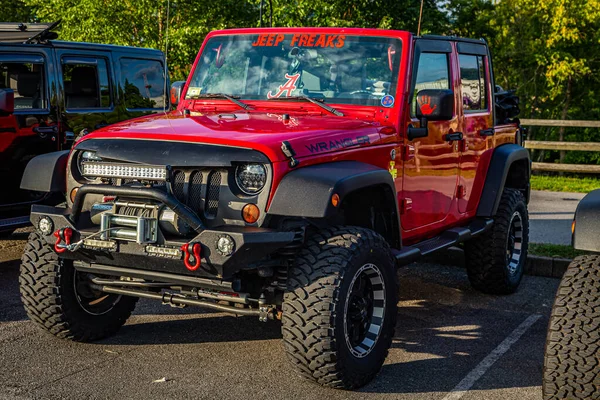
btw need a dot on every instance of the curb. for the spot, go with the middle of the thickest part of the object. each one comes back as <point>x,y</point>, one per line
<point>549,267</point>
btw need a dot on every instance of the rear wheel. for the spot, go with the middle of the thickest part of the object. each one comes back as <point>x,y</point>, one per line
<point>572,359</point>
<point>496,259</point>
<point>339,312</point>
<point>62,301</point>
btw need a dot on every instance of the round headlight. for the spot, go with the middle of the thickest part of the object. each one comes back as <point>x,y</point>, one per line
<point>251,178</point>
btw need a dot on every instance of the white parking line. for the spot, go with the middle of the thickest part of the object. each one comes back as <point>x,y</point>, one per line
<point>467,383</point>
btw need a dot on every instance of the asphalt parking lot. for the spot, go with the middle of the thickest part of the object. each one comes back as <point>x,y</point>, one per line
<point>451,343</point>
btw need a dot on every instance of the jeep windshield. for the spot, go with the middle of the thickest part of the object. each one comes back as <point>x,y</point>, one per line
<point>343,69</point>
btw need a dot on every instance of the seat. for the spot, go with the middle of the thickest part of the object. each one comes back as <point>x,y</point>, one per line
<point>84,89</point>
<point>28,89</point>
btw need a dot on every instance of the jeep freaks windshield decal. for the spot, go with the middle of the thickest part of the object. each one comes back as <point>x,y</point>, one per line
<point>300,40</point>
<point>319,147</point>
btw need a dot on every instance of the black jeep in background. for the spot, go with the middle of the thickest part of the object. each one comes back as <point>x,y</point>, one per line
<point>52,90</point>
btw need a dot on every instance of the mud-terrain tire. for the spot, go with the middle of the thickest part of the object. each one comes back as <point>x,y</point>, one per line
<point>48,291</point>
<point>572,359</point>
<point>496,259</point>
<point>341,280</point>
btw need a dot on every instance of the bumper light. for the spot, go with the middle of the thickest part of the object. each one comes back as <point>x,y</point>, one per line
<point>163,251</point>
<point>225,245</point>
<point>105,170</point>
<point>45,225</point>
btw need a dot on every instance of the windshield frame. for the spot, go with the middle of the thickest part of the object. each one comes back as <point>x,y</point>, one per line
<point>398,81</point>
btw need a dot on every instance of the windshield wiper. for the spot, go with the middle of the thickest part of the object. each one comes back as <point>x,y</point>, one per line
<point>233,99</point>
<point>318,102</point>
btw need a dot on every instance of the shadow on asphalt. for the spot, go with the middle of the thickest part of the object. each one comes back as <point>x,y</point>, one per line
<point>206,329</point>
<point>444,329</point>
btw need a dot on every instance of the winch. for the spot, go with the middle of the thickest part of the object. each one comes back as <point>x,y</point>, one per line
<point>134,221</point>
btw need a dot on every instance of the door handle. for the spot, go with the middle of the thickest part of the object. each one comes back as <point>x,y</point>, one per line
<point>486,132</point>
<point>451,137</point>
<point>46,129</point>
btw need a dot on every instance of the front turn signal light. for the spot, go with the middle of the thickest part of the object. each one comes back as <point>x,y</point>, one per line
<point>573,227</point>
<point>73,194</point>
<point>250,213</point>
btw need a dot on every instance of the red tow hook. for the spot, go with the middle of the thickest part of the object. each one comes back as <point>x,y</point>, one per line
<point>62,234</point>
<point>195,249</point>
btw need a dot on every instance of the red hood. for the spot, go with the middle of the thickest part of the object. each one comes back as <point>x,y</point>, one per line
<point>308,134</point>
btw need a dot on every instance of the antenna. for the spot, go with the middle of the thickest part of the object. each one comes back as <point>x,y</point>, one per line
<point>165,101</point>
<point>270,13</point>
<point>262,5</point>
<point>420,17</point>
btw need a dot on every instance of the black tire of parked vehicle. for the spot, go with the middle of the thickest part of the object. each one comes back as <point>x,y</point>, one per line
<point>342,279</point>
<point>48,286</point>
<point>496,259</point>
<point>571,366</point>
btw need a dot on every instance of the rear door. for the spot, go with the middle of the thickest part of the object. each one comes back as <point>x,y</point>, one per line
<point>476,120</point>
<point>87,95</point>
<point>33,127</point>
<point>431,172</point>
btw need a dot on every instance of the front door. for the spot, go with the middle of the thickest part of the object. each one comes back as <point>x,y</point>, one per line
<point>33,127</point>
<point>431,171</point>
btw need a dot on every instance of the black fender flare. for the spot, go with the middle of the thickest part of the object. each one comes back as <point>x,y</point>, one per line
<point>495,181</point>
<point>306,192</point>
<point>586,235</point>
<point>46,172</point>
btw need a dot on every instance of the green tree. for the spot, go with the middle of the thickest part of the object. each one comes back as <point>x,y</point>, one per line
<point>14,11</point>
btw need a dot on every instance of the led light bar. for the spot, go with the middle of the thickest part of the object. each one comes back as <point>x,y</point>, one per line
<point>128,171</point>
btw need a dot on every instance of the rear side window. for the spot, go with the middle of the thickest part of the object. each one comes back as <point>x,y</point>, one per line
<point>86,83</point>
<point>432,73</point>
<point>27,80</point>
<point>473,82</point>
<point>143,83</point>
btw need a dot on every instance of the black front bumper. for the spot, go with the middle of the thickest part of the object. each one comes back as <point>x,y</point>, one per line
<point>251,246</point>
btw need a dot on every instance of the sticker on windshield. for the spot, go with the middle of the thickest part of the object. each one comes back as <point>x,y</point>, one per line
<point>387,100</point>
<point>300,40</point>
<point>194,91</point>
<point>288,87</point>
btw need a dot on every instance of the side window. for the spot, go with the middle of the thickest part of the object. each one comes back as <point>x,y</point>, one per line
<point>432,73</point>
<point>86,83</point>
<point>473,82</point>
<point>27,80</point>
<point>143,83</point>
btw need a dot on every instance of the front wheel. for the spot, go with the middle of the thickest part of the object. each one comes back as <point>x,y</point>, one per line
<point>573,344</point>
<point>339,311</point>
<point>61,300</point>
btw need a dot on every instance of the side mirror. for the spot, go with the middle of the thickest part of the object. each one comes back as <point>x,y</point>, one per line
<point>175,94</point>
<point>7,101</point>
<point>432,105</point>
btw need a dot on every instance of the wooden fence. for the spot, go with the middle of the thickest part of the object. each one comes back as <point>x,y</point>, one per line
<point>576,146</point>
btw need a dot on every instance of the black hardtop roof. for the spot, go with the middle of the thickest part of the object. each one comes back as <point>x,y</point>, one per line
<point>84,46</point>
<point>453,39</point>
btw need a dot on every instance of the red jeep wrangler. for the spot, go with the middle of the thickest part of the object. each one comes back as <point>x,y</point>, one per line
<point>301,167</point>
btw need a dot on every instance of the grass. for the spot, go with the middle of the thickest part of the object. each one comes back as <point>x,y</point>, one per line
<point>554,250</point>
<point>564,184</point>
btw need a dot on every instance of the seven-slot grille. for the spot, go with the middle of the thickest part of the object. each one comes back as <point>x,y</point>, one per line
<point>198,189</point>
